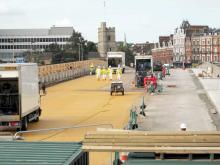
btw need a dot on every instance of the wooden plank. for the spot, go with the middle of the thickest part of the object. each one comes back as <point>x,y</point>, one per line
<point>161,142</point>
<point>167,150</point>
<point>161,133</point>
<point>138,144</point>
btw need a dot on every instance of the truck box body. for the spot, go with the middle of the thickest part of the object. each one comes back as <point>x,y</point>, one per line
<point>19,94</point>
<point>143,67</point>
<point>115,59</point>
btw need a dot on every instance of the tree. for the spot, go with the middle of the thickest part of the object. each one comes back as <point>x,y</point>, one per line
<point>76,48</point>
<point>54,47</point>
<point>76,45</point>
<point>57,55</point>
<point>129,56</point>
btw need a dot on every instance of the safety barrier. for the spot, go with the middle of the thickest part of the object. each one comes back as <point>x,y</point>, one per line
<point>53,74</point>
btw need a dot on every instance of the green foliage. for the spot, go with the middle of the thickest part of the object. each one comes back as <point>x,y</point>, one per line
<point>75,46</point>
<point>129,56</point>
<point>54,47</point>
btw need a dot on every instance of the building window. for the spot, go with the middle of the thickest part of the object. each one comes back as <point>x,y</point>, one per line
<point>208,50</point>
<point>208,42</point>
<point>208,58</point>
<point>194,42</point>
<point>109,38</point>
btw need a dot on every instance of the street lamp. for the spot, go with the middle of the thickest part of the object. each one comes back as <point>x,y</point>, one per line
<point>83,50</point>
<point>79,44</point>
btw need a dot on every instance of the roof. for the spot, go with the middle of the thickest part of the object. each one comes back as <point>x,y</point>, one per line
<point>23,153</point>
<point>167,162</point>
<point>37,32</point>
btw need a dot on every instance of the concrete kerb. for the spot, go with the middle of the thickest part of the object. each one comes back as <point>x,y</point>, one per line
<point>211,106</point>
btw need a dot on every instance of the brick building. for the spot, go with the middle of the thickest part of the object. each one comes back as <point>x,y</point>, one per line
<point>143,48</point>
<point>164,54</point>
<point>206,47</point>
<point>165,39</point>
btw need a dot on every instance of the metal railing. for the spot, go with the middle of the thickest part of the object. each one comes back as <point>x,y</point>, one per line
<point>16,137</point>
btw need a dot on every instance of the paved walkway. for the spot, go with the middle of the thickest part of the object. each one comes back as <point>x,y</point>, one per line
<point>174,106</point>
<point>212,87</point>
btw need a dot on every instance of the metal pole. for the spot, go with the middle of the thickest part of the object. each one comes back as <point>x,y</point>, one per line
<point>61,128</point>
<point>79,51</point>
<point>31,51</point>
<point>13,51</point>
<point>82,52</point>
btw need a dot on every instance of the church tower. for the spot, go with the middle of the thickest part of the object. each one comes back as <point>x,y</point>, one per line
<point>106,40</point>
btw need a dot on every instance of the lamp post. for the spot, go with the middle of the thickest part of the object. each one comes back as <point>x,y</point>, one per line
<point>79,44</point>
<point>83,50</point>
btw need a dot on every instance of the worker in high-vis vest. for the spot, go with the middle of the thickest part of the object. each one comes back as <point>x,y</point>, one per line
<point>98,73</point>
<point>110,73</point>
<point>91,68</point>
<point>119,73</point>
<point>104,73</point>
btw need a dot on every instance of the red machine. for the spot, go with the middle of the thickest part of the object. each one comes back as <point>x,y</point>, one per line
<point>150,80</point>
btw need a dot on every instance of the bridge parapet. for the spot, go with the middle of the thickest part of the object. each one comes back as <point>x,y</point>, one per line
<point>52,74</point>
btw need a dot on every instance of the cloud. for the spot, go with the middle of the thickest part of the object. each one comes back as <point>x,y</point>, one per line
<point>64,22</point>
<point>5,10</point>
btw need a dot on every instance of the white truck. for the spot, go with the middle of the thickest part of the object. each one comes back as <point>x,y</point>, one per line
<point>114,59</point>
<point>19,95</point>
<point>143,67</point>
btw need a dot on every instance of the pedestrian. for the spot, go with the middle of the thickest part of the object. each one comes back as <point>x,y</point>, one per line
<point>119,73</point>
<point>91,68</point>
<point>98,73</point>
<point>44,89</point>
<point>104,73</point>
<point>110,73</point>
<point>183,127</point>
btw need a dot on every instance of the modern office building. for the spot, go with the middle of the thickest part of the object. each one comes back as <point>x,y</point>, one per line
<point>15,42</point>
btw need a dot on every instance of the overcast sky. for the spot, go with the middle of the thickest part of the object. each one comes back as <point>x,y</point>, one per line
<point>141,20</point>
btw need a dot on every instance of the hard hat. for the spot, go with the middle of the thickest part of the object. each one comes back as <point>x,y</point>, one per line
<point>183,126</point>
<point>109,66</point>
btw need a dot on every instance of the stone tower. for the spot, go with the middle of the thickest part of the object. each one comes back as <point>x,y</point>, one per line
<point>106,39</point>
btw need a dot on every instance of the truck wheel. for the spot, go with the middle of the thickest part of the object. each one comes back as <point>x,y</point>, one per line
<point>123,93</point>
<point>36,120</point>
<point>38,114</point>
<point>24,124</point>
<point>111,93</point>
